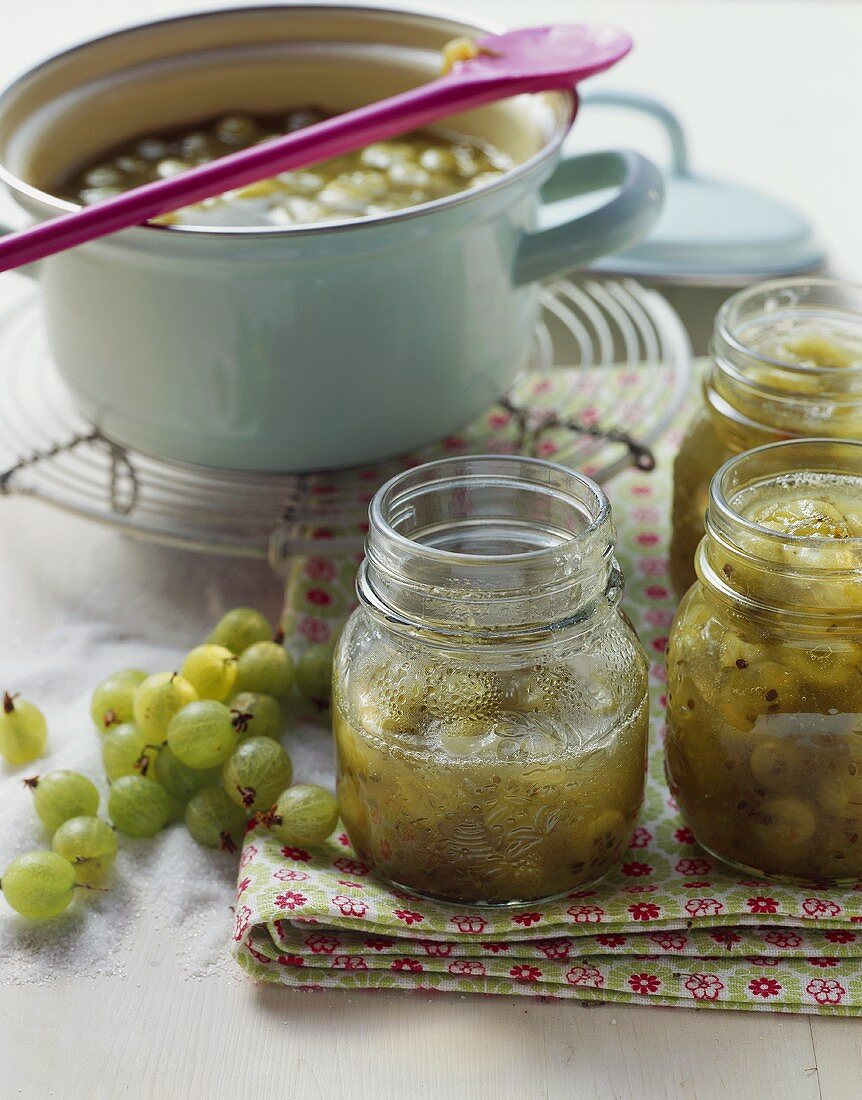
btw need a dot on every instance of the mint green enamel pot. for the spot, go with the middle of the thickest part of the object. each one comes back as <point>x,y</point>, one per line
<point>301,348</point>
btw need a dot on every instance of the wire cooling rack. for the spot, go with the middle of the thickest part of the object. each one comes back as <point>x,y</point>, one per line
<point>629,366</point>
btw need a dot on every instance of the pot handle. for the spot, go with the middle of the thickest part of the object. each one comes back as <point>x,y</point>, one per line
<point>564,240</point>
<point>30,270</point>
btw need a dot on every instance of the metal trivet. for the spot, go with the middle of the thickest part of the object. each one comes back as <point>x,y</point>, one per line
<point>634,365</point>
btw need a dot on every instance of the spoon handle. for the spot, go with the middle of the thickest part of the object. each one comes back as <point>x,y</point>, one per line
<point>341,134</point>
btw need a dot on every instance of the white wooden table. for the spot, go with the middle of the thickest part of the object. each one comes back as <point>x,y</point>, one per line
<point>770,92</point>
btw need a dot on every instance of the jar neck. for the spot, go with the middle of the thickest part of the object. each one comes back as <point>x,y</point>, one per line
<point>490,548</point>
<point>772,376</point>
<point>796,582</point>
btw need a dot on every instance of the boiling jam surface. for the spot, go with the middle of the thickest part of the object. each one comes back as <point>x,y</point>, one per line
<point>764,746</point>
<point>381,178</point>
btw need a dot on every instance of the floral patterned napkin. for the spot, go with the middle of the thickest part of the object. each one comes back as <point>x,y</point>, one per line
<point>669,926</point>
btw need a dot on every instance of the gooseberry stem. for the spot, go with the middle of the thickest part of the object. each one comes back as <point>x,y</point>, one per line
<point>9,702</point>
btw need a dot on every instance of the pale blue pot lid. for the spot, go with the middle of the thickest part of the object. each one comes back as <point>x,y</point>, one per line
<point>710,231</point>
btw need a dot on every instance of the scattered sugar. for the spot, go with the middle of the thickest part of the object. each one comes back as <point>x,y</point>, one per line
<point>167,897</point>
<point>79,603</point>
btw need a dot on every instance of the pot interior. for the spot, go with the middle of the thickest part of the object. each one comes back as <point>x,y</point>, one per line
<point>258,61</point>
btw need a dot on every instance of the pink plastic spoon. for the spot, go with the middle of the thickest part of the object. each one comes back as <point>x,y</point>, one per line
<point>533,59</point>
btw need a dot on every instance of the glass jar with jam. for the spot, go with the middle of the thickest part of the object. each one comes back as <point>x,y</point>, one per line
<point>490,697</point>
<point>786,363</point>
<point>764,742</point>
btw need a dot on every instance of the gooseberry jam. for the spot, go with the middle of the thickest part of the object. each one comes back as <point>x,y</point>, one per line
<point>786,363</point>
<point>386,176</point>
<point>764,743</point>
<point>490,698</point>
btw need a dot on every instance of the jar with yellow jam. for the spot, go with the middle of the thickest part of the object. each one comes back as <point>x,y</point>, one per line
<point>490,697</point>
<point>764,741</point>
<point>786,363</point>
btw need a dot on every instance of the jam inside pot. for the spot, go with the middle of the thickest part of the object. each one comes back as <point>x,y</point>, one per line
<point>381,178</point>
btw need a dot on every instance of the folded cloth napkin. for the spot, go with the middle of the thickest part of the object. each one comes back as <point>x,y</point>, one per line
<point>668,926</point>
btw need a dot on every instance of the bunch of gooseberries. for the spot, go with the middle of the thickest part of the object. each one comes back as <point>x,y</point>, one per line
<point>200,745</point>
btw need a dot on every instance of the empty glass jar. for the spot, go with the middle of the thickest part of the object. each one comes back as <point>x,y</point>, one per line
<point>786,362</point>
<point>764,743</point>
<point>490,698</point>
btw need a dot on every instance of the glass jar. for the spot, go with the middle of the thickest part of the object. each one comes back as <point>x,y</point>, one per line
<point>786,363</point>
<point>490,697</point>
<point>764,741</point>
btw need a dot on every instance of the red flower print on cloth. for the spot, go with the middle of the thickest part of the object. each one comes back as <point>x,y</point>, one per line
<point>659,644</point>
<point>261,958</point>
<point>290,960</point>
<point>435,949</point>
<point>635,869</point>
<point>645,911</point>
<point>690,866</point>
<point>669,941</point>
<point>641,888</point>
<point>319,597</point>
<point>242,886</point>
<point>469,924</point>
<point>412,965</point>
<point>494,948</point>
<point>762,905</point>
<point>313,630</point>
<point>526,919</point>
<point>378,943</point>
<point>820,907</point>
<point>657,617</point>
<point>652,567</point>
<point>840,936</point>
<point>344,840</point>
<point>764,987</point>
<point>640,837</point>
<point>349,907</point>
<point>467,969</point>
<point>349,866</point>
<point>826,991</point>
<point>287,874</point>
<point>554,949</point>
<point>612,940</point>
<point>644,983</point>
<point>822,961</point>
<point>704,987</point>
<point>321,944</point>
<point>546,448</point>
<point>585,975</point>
<point>656,592</point>
<point>409,916</point>
<point>291,900</point>
<point>685,835</point>
<point>247,857</point>
<point>586,914</point>
<point>321,569</point>
<point>763,960</point>
<point>726,939</point>
<point>242,919</point>
<point>647,538</point>
<point>349,962</point>
<point>351,883</point>
<point>298,854</point>
<point>782,937</point>
<point>525,973</point>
